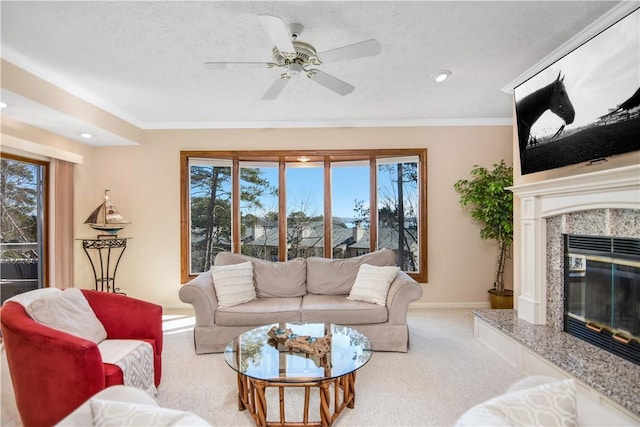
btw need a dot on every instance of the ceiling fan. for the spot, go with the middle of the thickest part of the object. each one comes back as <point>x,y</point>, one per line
<point>297,57</point>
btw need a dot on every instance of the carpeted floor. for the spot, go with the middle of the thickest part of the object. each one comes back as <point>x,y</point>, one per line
<point>444,373</point>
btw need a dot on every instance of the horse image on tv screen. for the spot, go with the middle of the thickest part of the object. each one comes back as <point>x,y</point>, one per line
<point>552,97</point>
<point>585,107</point>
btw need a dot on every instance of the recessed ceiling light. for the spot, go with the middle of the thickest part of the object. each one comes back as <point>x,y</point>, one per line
<point>3,104</point>
<point>86,135</point>
<point>441,75</point>
<point>303,159</point>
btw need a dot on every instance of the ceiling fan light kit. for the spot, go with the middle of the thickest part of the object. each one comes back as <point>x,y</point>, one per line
<point>441,75</point>
<point>296,57</point>
<point>304,54</point>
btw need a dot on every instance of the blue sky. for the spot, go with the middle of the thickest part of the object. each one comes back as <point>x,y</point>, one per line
<point>305,188</point>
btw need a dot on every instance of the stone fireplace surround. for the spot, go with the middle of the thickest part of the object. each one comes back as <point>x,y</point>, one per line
<point>597,222</point>
<point>532,339</point>
<point>603,203</point>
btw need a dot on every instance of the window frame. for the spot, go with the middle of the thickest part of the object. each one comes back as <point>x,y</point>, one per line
<point>326,157</point>
<point>44,196</point>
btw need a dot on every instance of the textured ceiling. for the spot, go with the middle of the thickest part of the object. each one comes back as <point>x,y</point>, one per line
<point>142,61</point>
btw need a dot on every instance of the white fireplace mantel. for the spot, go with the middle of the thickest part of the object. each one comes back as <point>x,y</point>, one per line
<point>617,188</point>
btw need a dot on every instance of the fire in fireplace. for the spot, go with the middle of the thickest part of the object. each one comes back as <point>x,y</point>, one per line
<point>602,292</point>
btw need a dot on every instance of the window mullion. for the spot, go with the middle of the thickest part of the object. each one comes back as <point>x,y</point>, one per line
<point>373,204</point>
<point>282,210</point>
<point>236,232</point>
<point>328,218</point>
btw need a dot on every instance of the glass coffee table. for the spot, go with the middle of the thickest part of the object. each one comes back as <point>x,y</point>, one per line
<point>261,362</point>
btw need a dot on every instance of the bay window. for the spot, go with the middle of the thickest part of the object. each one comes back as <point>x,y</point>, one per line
<point>280,205</point>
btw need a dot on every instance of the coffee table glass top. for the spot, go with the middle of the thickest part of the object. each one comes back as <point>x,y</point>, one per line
<point>252,354</point>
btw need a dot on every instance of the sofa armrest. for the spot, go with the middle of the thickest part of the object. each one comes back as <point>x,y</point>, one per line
<point>40,359</point>
<point>402,291</point>
<point>124,317</point>
<point>201,294</point>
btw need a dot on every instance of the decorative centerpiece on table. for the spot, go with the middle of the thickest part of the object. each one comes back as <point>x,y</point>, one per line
<point>285,339</point>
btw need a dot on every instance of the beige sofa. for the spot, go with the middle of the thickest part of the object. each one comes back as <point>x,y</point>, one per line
<point>311,290</point>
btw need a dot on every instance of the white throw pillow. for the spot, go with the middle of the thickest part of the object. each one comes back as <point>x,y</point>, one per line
<point>233,284</point>
<point>70,312</point>
<point>552,404</point>
<point>372,284</point>
<point>106,413</point>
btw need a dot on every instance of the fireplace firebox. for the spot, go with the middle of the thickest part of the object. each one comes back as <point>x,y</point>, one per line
<point>602,292</point>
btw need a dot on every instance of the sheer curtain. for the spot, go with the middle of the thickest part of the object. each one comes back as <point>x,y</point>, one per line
<point>63,220</point>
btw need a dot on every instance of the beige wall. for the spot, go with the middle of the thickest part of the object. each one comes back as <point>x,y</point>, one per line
<point>144,183</point>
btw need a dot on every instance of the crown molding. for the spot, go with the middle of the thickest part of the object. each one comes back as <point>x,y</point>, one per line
<point>497,121</point>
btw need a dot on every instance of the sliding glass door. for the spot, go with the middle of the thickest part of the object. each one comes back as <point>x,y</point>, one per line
<point>22,225</point>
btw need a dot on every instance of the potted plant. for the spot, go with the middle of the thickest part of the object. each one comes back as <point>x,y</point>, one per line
<point>489,203</point>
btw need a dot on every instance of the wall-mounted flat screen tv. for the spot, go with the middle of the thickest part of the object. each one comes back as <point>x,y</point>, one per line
<point>586,106</point>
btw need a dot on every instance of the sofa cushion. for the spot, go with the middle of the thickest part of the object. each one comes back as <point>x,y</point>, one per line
<point>338,309</point>
<point>70,312</point>
<point>280,279</point>
<point>372,284</point>
<point>260,312</point>
<point>272,279</point>
<point>336,276</point>
<point>233,284</point>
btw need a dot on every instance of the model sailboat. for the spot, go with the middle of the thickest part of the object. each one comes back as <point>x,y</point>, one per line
<point>106,217</point>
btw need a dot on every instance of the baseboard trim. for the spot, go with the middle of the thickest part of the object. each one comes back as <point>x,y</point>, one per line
<point>418,305</point>
<point>184,306</point>
<point>484,304</point>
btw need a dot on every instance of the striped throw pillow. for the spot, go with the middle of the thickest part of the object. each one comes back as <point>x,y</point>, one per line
<point>233,284</point>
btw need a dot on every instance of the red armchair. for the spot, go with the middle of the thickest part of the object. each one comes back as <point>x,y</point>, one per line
<point>54,372</point>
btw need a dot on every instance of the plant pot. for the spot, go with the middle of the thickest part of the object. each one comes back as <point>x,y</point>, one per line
<point>501,301</point>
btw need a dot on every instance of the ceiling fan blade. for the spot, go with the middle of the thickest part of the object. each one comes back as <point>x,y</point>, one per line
<point>275,89</point>
<point>357,50</point>
<point>227,65</point>
<point>330,82</point>
<point>278,33</point>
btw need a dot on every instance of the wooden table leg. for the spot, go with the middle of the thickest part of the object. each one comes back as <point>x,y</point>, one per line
<point>305,419</point>
<point>242,393</point>
<point>261,403</point>
<point>281,395</point>
<point>251,396</point>
<point>325,401</point>
<point>350,389</point>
